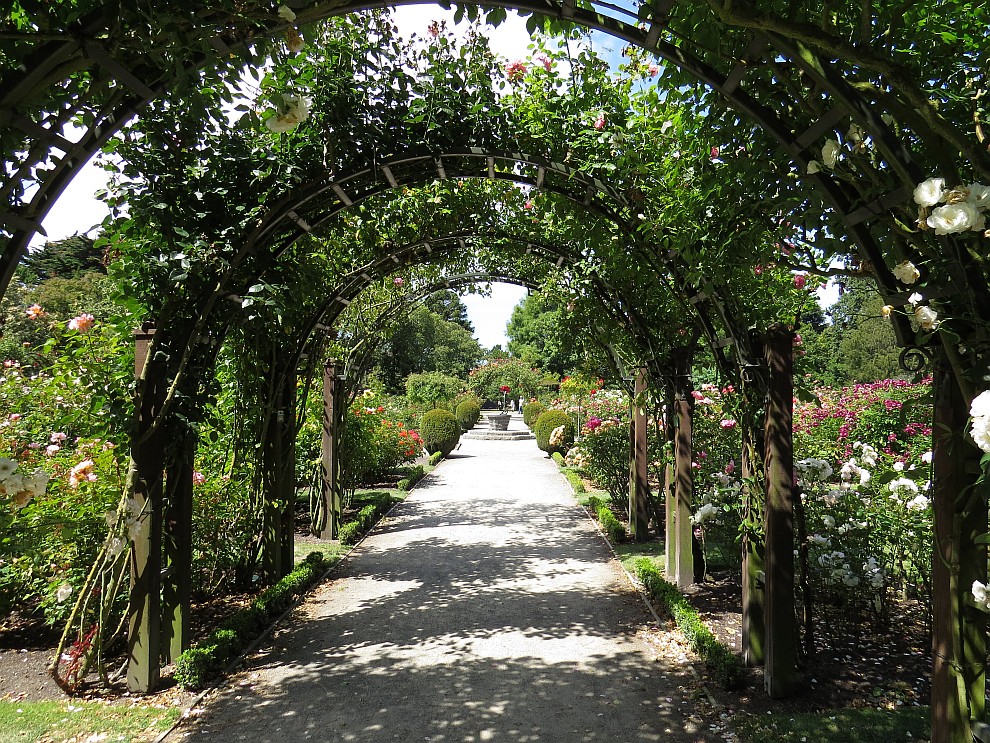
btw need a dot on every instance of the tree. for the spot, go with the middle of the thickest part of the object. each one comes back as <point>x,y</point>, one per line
<point>66,258</point>
<point>857,345</point>
<point>425,342</point>
<point>448,305</point>
<point>539,332</point>
<point>433,389</point>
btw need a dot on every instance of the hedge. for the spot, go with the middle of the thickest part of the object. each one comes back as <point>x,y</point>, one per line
<point>612,526</point>
<point>208,659</point>
<point>725,666</point>
<point>416,473</point>
<point>435,458</point>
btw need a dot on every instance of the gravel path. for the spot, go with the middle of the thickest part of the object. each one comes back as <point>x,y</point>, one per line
<point>485,608</point>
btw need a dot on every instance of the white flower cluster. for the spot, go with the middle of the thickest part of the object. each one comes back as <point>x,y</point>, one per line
<point>964,207</point>
<point>981,595</point>
<point>840,571</point>
<point>851,471</point>
<point>867,454</point>
<point>980,428</point>
<point>704,513</point>
<point>296,111</point>
<point>557,436</point>
<point>906,492</point>
<point>873,573</point>
<point>20,486</point>
<point>576,457</point>
<point>812,470</point>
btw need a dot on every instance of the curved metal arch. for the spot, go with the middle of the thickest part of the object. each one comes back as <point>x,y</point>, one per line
<point>420,252</point>
<point>477,163</point>
<point>351,188</point>
<point>134,82</point>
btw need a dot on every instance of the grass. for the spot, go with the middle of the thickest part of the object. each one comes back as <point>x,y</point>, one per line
<point>865,725</point>
<point>77,720</point>
<point>630,552</point>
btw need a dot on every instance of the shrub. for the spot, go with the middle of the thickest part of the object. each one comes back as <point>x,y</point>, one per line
<point>468,412</point>
<point>574,479</point>
<point>605,445</point>
<point>197,665</point>
<point>546,424</point>
<point>612,526</point>
<point>416,474</point>
<point>531,411</point>
<point>558,458</point>
<point>435,458</point>
<point>440,431</point>
<point>725,665</point>
<point>350,533</point>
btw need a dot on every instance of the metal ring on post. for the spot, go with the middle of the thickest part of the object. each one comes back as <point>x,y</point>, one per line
<point>914,359</point>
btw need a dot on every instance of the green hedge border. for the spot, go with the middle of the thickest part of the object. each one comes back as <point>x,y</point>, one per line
<point>208,659</point>
<point>724,665</point>
<point>612,526</point>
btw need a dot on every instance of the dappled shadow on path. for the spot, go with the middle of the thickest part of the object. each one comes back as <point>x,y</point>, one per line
<point>465,617</point>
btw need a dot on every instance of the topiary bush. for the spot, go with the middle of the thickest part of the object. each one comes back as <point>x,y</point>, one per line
<point>468,412</point>
<point>531,411</point>
<point>440,431</point>
<point>546,424</point>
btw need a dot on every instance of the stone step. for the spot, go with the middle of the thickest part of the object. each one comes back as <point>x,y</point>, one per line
<point>486,433</point>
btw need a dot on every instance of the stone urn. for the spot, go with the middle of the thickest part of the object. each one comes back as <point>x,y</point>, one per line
<point>499,421</point>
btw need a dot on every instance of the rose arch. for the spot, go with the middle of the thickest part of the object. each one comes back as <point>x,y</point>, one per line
<point>799,80</point>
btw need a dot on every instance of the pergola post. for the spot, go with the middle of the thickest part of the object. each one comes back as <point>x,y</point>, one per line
<point>753,577</point>
<point>639,484</point>
<point>285,483</point>
<point>683,573</point>
<point>279,464</point>
<point>959,630</point>
<point>669,487</point>
<point>780,662</point>
<point>145,517</point>
<point>330,484</point>
<point>177,543</point>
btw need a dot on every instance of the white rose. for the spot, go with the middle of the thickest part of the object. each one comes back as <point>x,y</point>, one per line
<point>286,14</point>
<point>926,457</point>
<point>927,317</point>
<point>280,124</point>
<point>979,195</point>
<point>980,407</point>
<point>915,298</point>
<point>63,592</point>
<point>952,218</point>
<point>813,167</point>
<point>906,272</point>
<point>830,153</point>
<point>855,134</point>
<point>918,503</point>
<point>929,193</point>
<point>979,592</point>
<point>980,431</point>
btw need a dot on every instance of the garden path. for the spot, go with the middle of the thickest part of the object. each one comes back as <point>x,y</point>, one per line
<point>483,608</point>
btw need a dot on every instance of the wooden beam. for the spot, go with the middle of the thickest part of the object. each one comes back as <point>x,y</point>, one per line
<point>960,513</point>
<point>683,471</point>
<point>178,552</point>
<point>753,577</point>
<point>639,485</point>
<point>330,490</point>
<point>147,463</point>
<point>780,663</point>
